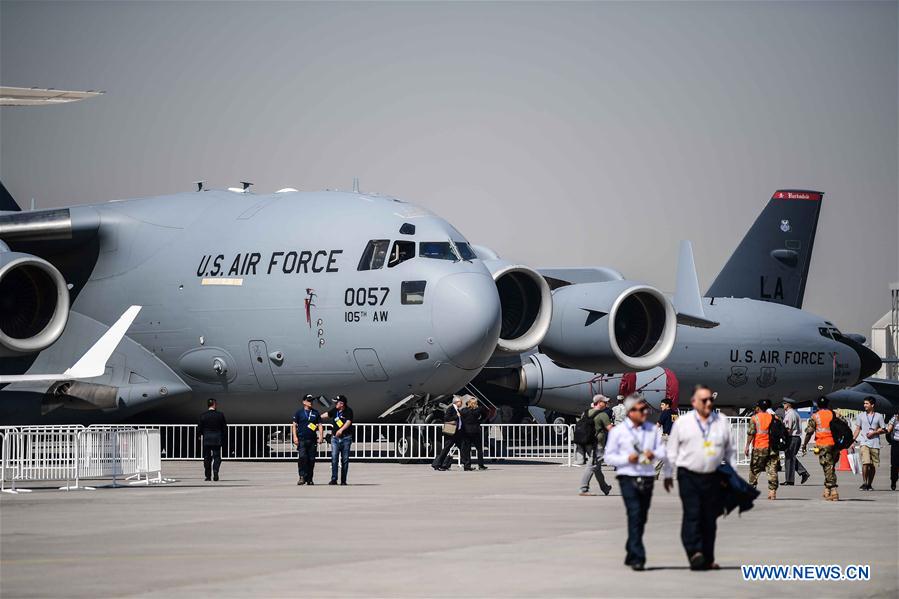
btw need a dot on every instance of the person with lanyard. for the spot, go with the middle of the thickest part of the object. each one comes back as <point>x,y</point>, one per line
<point>632,447</point>
<point>341,438</point>
<point>893,438</point>
<point>698,444</point>
<point>307,434</point>
<point>870,425</point>
<point>819,425</point>
<point>792,465</point>
<point>763,457</point>
<point>666,419</point>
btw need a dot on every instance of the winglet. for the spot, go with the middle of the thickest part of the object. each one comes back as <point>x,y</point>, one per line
<point>687,298</point>
<point>93,362</point>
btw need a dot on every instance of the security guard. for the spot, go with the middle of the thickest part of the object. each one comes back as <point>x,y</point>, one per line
<point>819,424</point>
<point>341,438</point>
<point>307,432</point>
<point>763,457</point>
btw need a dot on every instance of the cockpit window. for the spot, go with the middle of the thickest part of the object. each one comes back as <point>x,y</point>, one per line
<point>824,332</point>
<point>402,251</point>
<point>413,292</point>
<point>830,332</point>
<point>465,251</point>
<point>439,250</point>
<point>374,254</point>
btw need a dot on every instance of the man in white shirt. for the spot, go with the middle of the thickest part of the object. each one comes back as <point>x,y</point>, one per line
<point>633,447</point>
<point>870,425</point>
<point>697,445</point>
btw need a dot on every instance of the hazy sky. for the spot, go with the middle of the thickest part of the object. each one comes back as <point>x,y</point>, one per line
<point>558,134</point>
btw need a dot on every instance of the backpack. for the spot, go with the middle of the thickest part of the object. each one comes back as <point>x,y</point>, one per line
<point>778,438</point>
<point>585,430</point>
<point>842,434</point>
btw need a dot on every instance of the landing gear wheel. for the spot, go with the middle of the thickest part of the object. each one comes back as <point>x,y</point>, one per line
<point>409,446</point>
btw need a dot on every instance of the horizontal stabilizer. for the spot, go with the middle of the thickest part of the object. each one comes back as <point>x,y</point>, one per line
<point>687,298</point>
<point>92,363</point>
<point>6,200</point>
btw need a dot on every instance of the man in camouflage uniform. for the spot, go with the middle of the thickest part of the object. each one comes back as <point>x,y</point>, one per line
<point>763,457</point>
<point>819,425</point>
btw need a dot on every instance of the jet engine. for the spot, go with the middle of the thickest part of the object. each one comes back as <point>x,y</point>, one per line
<point>34,304</point>
<point>612,326</point>
<point>526,303</point>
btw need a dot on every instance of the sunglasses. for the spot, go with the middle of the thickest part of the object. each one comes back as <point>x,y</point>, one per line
<point>707,399</point>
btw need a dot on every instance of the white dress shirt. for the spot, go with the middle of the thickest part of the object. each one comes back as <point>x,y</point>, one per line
<point>627,438</point>
<point>700,446</point>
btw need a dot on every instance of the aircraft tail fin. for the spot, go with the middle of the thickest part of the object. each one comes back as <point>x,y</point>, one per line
<point>772,261</point>
<point>7,203</point>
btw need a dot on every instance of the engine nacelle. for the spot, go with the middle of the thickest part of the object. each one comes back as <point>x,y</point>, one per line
<point>34,304</point>
<point>526,302</point>
<point>612,326</point>
<point>569,391</point>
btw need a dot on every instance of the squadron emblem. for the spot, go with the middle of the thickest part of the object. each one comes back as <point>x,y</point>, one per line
<point>785,226</point>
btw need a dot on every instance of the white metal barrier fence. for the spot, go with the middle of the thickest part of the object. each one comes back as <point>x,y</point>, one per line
<point>73,454</point>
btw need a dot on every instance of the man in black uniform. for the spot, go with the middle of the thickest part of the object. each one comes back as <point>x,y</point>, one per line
<point>307,433</point>
<point>341,439</point>
<point>212,428</point>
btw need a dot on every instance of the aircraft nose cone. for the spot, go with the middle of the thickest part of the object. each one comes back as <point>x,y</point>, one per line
<point>869,362</point>
<point>465,313</point>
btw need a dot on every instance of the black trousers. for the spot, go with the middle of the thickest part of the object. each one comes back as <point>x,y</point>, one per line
<point>792,465</point>
<point>637,494</point>
<point>702,497</point>
<point>212,459</point>
<point>443,458</point>
<point>894,462</point>
<point>469,441</point>
<point>306,450</point>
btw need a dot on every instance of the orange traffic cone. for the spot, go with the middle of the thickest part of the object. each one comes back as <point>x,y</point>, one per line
<point>844,462</point>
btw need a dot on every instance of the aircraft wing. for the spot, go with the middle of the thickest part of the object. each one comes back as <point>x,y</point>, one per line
<point>561,276</point>
<point>35,96</point>
<point>93,362</point>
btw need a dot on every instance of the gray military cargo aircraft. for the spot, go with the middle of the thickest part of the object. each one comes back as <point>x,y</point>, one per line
<point>765,346</point>
<point>258,299</point>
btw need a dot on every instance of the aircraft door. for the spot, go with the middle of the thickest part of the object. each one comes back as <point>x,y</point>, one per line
<point>262,367</point>
<point>369,365</point>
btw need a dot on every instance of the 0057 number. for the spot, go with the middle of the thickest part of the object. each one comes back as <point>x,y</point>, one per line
<point>366,296</point>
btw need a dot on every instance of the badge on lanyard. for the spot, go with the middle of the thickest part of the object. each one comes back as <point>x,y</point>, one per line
<point>339,423</point>
<point>311,426</point>
<point>706,442</point>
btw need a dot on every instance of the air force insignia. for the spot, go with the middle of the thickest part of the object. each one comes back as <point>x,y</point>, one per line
<point>785,226</point>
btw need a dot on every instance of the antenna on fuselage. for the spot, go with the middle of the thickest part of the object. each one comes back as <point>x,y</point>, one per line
<point>244,187</point>
<point>355,184</point>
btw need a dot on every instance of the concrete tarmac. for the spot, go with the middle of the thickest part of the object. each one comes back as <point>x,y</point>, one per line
<point>408,531</point>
